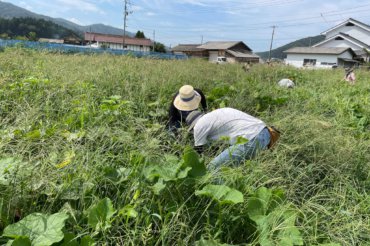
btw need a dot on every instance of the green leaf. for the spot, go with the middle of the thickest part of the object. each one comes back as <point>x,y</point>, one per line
<point>264,201</point>
<point>241,140</point>
<point>221,193</point>
<point>8,167</point>
<point>167,170</point>
<point>128,211</point>
<point>21,241</point>
<point>87,241</point>
<point>158,187</point>
<point>191,159</point>
<point>265,207</point>
<point>41,229</point>
<point>99,215</point>
<point>289,234</point>
<point>255,209</point>
<point>70,239</point>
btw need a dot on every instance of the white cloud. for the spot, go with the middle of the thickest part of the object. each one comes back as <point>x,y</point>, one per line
<point>26,6</point>
<point>81,5</point>
<point>74,20</point>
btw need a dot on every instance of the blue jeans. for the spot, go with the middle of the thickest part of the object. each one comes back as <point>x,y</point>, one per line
<point>237,153</point>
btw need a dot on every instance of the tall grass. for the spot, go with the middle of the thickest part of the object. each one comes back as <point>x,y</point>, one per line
<point>74,120</point>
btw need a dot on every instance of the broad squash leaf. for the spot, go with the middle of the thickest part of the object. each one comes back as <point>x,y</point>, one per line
<point>221,193</point>
<point>20,241</point>
<point>70,239</point>
<point>40,228</point>
<point>192,159</point>
<point>275,221</point>
<point>99,215</point>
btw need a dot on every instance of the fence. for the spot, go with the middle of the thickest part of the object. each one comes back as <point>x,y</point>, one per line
<point>66,48</point>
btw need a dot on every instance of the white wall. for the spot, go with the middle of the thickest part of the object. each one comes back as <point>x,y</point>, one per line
<point>129,47</point>
<point>340,43</point>
<point>296,60</point>
<point>354,31</point>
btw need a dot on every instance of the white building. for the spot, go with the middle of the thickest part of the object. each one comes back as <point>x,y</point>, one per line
<point>346,44</point>
<point>350,33</point>
<point>118,42</point>
<point>320,57</point>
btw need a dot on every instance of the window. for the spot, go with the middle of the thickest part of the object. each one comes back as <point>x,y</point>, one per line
<point>309,62</point>
<point>328,63</point>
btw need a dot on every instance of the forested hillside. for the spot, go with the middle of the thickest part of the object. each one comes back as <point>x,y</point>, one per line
<point>9,11</point>
<point>33,29</point>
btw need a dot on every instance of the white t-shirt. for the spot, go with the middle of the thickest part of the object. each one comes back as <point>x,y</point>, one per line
<point>226,122</point>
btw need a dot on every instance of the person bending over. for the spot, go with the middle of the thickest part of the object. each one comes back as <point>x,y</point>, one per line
<point>232,124</point>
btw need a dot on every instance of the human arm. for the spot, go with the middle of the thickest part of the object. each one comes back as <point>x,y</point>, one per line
<point>174,117</point>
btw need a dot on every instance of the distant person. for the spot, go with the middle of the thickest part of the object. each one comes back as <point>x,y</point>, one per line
<point>350,76</point>
<point>286,83</point>
<point>232,124</point>
<point>185,100</point>
<point>246,67</point>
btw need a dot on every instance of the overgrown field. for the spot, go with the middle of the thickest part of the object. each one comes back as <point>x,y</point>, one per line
<point>85,157</point>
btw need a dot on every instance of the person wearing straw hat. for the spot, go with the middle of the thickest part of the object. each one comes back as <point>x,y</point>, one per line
<point>186,100</point>
<point>350,75</point>
<point>246,134</point>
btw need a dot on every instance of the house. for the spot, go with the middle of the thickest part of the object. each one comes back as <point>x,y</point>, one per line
<point>320,57</point>
<point>234,51</point>
<point>99,40</point>
<point>345,44</point>
<point>350,33</point>
<point>190,50</point>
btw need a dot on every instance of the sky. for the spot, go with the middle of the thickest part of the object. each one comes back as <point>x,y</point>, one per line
<point>174,22</point>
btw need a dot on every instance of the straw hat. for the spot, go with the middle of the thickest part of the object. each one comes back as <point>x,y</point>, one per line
<point>187,99</point>
<point>193,118</point>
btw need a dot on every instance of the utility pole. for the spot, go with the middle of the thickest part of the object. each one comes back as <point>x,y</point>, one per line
<point>272,39</point>
<point>202,40</point>
<point>153,40</point>
<point>125,14</point>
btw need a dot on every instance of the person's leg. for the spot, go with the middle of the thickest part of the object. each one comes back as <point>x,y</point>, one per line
<point>237,153</point>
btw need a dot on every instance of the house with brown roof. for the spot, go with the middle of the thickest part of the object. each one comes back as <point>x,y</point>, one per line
<point>232,51</point>
<point>190,50</point>
<point>99,40</point>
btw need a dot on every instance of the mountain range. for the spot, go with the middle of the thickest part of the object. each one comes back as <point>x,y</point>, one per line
<point>9,11</point>
<point>279,52</point>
